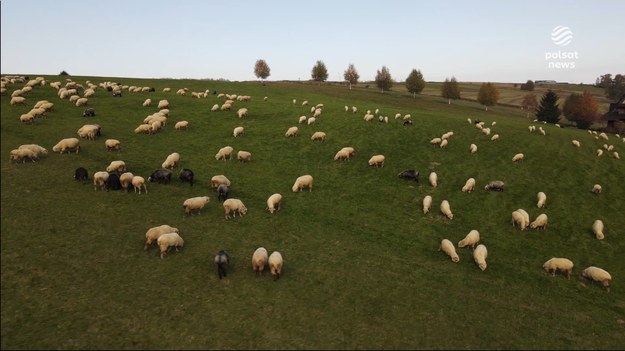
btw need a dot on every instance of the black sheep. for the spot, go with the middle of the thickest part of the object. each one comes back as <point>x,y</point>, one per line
<point>222,260</point>
<point>81,174</point>
<point>410,174</point>
<point>186,175</point>
<point>113,183</point>
<point>222,192</point>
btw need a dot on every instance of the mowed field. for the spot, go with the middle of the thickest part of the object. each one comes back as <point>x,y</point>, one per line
<point>362,268</point>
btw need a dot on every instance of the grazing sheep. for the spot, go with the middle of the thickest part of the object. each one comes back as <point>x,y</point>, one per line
<point>38,150</point>
<point>470,239</point>
<point>599,152</point>
<point>599,275</point>
<point>143,129</point>
<point>194,204</point>
<point>22,154</point>
<point>18,100</point>
<point>81,101</point>
<point>226,107</point>
<point>68,145</point>
<point>112,182</point>
<point>518,220</point>
<point>259,260</point>
<point>597,229</point>
<point>154,233</point>
<point>518,157</point>
<point>354,109</point>
<point>444,143</point>
<point>311,120</point>
<point>222,192</point>
<point>479,256</point>
<point>291,132</point>
<point>244,156</point>
<point>525,215</point>
<point>446,210</point>
<point>222,260</point>
<point>496,185</point>
<point>242,112</point>
<point>433,178</point>
<point>171,161</point>
<point>576,143</point>
<point>138,182</point>
<point>219,179</point>
<point>234,206</point>
<point>167,241</point>
<point>238,131</point>
<point>81,174</point>
<point>539,222</point>
<point>495,137</point>
<point>27,118</point>
<point>469,185</point>
<point>116,166</point>
<point>473,148</point>
<point>305,181</point>
<point>542,198</point>
<point>99,180</point>
<point>161,176</point>
<point>302,119</point>
<point>163,104</point>
<point>126,180</point>
<point>557,263</point>
<point>427,204</point>
<point>275,264</point>
<point>113,144</point>
<point>342,155</point>
<point>89,131</point>
<point>215,108</point>
<point>273,203</point>
<point>181,125</point>
<point>448,248</point>
<point>224,153</point>
<point>603,136</point>
<point>436,141</point>
<point>410,174</point>
<point>616,155</point>
<point>596,189</point>
<point>407,122</point>
<point>186,175</point>
<point>318,136</point>
<point>377,160</point>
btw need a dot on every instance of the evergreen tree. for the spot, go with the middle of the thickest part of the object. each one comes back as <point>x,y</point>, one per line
<point>351,75</point>
<point>415,83</point>
<point>319,72</point>
<point>450,89</point>
<point>488,95</point>
<point>548,109</point>
<point>383,79</point>
<point>261,69</point>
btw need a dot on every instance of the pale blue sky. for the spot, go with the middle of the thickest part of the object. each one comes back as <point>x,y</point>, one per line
<point>499,41</point>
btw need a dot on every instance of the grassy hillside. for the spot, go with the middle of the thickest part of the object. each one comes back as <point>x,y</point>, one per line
<point>362,267</point>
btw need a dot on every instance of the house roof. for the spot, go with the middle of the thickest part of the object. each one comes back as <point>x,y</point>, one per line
<point>616,111</point>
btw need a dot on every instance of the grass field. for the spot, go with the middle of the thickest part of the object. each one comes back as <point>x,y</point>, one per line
<point>362,268</point>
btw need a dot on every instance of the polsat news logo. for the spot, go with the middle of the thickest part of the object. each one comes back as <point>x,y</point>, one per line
<point>561,36</point>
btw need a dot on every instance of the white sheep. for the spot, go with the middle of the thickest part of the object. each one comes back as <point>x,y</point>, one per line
<point>518,220</point>
<point>526,216</point>
<point>448,248</point>
<point>597,229</point>
<point>576,143</point>
<point>126,180</point>
<point>616,156</point>
<point>342,155</point>
<point>18,100</point>
<point>273,202</point>
<point>259,260</point>
<point>444,143</point>
<point>194,204</point>
<point>599,152</point>
<point>99,180</point>
<point>37,150</point>
<point>446,210</point>
<point>181,125</point>
<point>171,161</point>
<point>116,166</point>
<point>242,112</point>
<point>539,222</point>
<point>154,233</point>
<point>113,144</point>
<point>469,185</point>
<point>427,204</point>
<point>234,206</point>
<point>599,275</point>
<point>218,180</point>
<point>596,189</point>
<point>81,101</point>
<point>167,241</point>
<point>518,157</point>
<point>291,132</point>
<point>215,108</point>
<point>27,118</point>
<point>436,141</point>
<point>318,136</point>
<point>238,131</point>
<point>603,136</point>
<point>354,109</point>
<point>469,121</point>
<point>377,160</point>
<point>275,264</point>
<point>311,120</point>
<point>479,256</point>
<point>302,119</point>
<point>470,239</point>
<point>22,154</point>
<point>495,137</point>
<point>163,104</point>
<point>473,148</point>
<point>226,107</point>
<point>542,199</point>
<point>67,144</point>
<point>559,264</point>
<point>224,152</point>
<point>138,182</point>
<point>305,181</point>
<point>88,131</point>
<point>143,129</point>
<point>433,178</point>
<point>244,156</point>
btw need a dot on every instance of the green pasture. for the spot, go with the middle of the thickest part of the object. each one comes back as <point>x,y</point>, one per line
<point>362,268</point>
